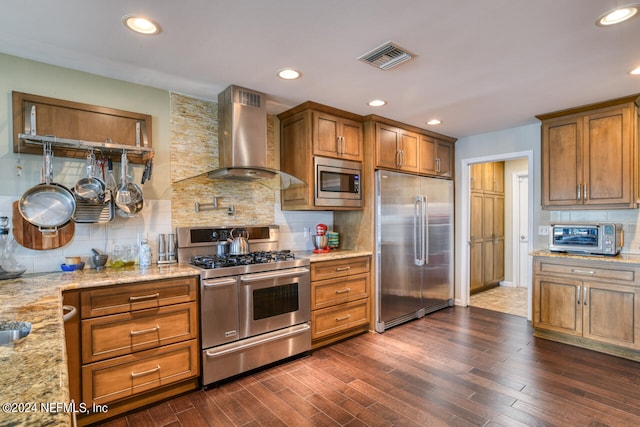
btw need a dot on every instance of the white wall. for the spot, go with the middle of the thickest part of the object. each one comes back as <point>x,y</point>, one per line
<point>493,146</point>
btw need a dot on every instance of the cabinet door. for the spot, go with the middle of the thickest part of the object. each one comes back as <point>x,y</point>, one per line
<point>561,162</point>
<point>557,305</point>
<point>352,140</point>
<point>337,137</point>
<point>427,155</point>
<point>409,151</point>
<point>444,158</point>
<point>387,143</point>
<point>296,159</point>
<point>325,134</point>
<point>475,177</point>
<point>610,314</point>
<point>493,177</point>
<point>476,241</point>
<point>607,158</point>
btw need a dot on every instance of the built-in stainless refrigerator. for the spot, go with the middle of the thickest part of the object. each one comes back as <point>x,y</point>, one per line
<point>414,247</point>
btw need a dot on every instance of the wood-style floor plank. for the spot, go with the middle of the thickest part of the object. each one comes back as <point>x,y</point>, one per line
<point>455,367</point>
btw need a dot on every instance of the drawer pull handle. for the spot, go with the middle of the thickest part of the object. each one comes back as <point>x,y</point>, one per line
<point>143,373</point>
<point>143,297</point>
<point>343,268</point>
<point>340,319</point>
<point>575,270</point>
<point>145,331</point>
<point>343,291</point>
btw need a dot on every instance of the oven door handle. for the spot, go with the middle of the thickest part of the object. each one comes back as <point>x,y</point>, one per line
<point>278,335</point>
<point>274,274</point>
<point>212,283</point>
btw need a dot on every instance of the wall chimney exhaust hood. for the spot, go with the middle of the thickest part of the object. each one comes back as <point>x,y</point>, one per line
<point>242,135</point>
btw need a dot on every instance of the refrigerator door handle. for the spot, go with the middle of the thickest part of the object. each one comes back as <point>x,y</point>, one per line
<point>425,232</point>
<point>418,231</point>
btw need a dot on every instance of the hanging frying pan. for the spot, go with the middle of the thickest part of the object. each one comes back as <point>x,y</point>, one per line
<point>47,205</point>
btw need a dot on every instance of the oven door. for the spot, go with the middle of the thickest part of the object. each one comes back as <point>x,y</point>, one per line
<point>274,300</point>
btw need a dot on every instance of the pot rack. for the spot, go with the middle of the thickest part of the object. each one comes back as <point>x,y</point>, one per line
<point>107,147</point>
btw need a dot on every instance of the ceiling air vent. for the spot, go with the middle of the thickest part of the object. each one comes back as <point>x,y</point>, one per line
<point>386,56</point>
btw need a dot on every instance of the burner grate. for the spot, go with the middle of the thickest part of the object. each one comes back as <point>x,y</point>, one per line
<point>261,257</point>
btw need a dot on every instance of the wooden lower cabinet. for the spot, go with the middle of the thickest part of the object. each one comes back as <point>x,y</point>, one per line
<point>132,345</point>
<point>113,379</point>
<point>339,299</point>
<point>590,304</point>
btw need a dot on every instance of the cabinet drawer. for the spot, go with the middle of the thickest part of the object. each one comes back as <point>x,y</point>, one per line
<point>139,296</point>
<point>577,269</point>
<point>119,334</point>
<point>339,268</point>
<point>125,376</point>
<point>326,293</point>
<point>345,316</point>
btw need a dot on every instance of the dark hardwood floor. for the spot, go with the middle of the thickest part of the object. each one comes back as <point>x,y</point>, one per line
<point>459,366</point>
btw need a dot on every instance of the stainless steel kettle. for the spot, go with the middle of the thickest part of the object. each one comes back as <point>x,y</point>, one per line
<point>240,243</point>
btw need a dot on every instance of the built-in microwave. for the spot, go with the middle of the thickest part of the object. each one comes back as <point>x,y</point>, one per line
<point>589,239</point>
<point>337,182</point>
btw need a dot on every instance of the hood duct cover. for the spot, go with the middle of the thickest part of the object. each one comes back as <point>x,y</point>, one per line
<point>242,135</point>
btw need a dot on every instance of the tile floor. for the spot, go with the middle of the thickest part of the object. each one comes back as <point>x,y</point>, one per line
<point>505,299</point>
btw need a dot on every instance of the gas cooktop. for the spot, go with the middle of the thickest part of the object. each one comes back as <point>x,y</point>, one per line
<point>198,246</point>
<point>230,260</point>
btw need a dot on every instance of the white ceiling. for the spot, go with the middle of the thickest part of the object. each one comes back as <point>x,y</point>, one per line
<point>480,65</point>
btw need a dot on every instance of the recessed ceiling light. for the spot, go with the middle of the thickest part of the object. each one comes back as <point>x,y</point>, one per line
<point>635,71</point>
<point>140,24</point>
<point>377,103</point>
<point>289,74</point>
<point>434,122</point>
<point>617,15</point>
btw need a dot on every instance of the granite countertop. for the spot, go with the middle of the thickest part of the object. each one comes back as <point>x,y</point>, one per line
<point>623,258</point>
<point>34,369</point>
<point>331,255</point>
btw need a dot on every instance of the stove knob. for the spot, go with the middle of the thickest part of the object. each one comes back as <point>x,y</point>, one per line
<point>214,235</point>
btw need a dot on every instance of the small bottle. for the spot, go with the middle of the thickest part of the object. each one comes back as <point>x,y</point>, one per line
<point>144,253</point>
<point>110,182</point>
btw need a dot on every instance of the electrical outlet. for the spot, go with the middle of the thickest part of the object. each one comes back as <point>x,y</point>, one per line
<point>543,230</point>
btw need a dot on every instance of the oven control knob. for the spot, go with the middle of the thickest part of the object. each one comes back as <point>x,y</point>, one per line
<point>214,235</point>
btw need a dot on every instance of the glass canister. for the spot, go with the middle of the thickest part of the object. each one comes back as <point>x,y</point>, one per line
<point>144,253</point>
<point>9,267</point>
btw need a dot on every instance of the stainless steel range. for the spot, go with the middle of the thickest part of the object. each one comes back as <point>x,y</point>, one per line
<point>254,307</point>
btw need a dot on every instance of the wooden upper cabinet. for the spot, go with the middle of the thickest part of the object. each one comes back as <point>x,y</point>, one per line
<point>589,156</point>
<point>396,148</point>
<point>387,143</point>
<point>78,126</point>
<point>435,157</point>
<point>408,149</point>
<point>335,136</point>
<point>311,130</point>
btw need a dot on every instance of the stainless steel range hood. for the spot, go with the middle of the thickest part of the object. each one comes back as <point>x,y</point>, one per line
<point>242,135</point>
